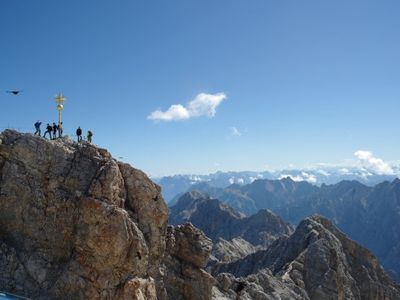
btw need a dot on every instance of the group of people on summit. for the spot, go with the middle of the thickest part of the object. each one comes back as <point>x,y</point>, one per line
<point>53,130</point>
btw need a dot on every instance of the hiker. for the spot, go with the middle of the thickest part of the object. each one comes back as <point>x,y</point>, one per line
<point>49,129</point>
<point>55,128</point>
<point>79,134</point>
<point>89,136</point>
<point>60,129</point>
<point>37,127</point>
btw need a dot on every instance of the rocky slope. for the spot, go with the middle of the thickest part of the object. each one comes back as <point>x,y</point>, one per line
<point>229,251</point>
<point>316,262</point>
<point>369,215</point>
<point>218,220</point>
<point>77,224</point>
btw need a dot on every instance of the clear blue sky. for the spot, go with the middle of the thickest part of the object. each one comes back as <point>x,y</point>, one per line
<point>306,81</point>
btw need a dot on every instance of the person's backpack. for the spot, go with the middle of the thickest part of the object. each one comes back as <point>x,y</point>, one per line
<point>90,133</point>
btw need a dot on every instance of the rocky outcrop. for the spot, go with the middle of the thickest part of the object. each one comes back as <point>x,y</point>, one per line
<point>188,250</point>
<point>77,224</point>
<point>218,220</point>
<point>261,286</point>
<point>228,251</point>
<point>321,262</point>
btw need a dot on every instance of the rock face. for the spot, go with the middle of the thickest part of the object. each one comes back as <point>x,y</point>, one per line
<point>218,220</point>
<point>316,262</point>
<point>77,224</point>
<point>261,286</point>
<point>369,215</point>
<point>188,251</point>
<point>229,251</point>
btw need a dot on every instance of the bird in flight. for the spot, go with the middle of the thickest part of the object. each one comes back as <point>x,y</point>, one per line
<point>14,92</point>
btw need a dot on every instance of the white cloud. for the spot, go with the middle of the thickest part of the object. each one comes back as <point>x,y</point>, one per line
<point>235,131</point>
<point>367,160</point>
<point>344,171</point>
<point>202,105</point>
<point>233,180</point>
<point>301,177</point>
<point>195,178</point>
<point>323,172</point>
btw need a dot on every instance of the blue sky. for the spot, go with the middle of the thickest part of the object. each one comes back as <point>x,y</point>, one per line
<point>305,81</point>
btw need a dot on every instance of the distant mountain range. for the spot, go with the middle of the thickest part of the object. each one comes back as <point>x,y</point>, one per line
<point>178,184</point>
<point>369,215</point>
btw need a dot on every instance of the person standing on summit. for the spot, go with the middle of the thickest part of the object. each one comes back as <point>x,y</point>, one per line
<point>79,134</point>
<point>55,129</point>
<point>60,129</point>
<point>37,127</point>
<point>49,129</point>
<point>89,136</point>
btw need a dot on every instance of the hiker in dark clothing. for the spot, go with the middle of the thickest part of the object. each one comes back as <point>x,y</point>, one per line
<point>55,128</point>
<point>60,130</point>
<point>37,127</point>
<point>49,129</point>
<point>79,134</point>
<point>89,136</point>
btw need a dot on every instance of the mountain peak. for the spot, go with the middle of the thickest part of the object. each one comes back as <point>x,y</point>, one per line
<point>317,260</point>
<point>77,224</point>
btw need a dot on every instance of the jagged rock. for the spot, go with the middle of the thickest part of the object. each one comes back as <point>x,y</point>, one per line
<point>76,224</point>
<point>189,244</point>
<point>260,286</point>
<point>218,220</point>
<point>234,235</point>
<point>138,289</point>
<point>369,215</point>
<point>229,251</point>
<point>321,260</point>
<point>188,249</point>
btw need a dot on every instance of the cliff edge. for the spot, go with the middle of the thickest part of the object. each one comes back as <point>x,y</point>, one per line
<point>77,224</point>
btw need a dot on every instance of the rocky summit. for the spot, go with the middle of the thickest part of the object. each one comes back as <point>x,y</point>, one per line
<point>77,224</point>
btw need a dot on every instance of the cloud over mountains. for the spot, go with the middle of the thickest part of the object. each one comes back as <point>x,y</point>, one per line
<point>202,105</point>
<point>369,162</point>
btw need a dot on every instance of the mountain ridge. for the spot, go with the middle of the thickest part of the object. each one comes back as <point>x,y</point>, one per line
<point>178,184</point>
<point>317,261</point>
<point>368,215</point>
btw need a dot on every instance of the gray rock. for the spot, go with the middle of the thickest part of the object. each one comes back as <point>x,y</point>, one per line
<point>229,251</point>
<point>187,250</point>
<point>218,220</point>
<point>76,224</point>
<point>262,286</point>
<point>321,260</point>
<point>369,215</point>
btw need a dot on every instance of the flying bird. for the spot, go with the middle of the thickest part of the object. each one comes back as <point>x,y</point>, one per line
<point>14,92</point>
